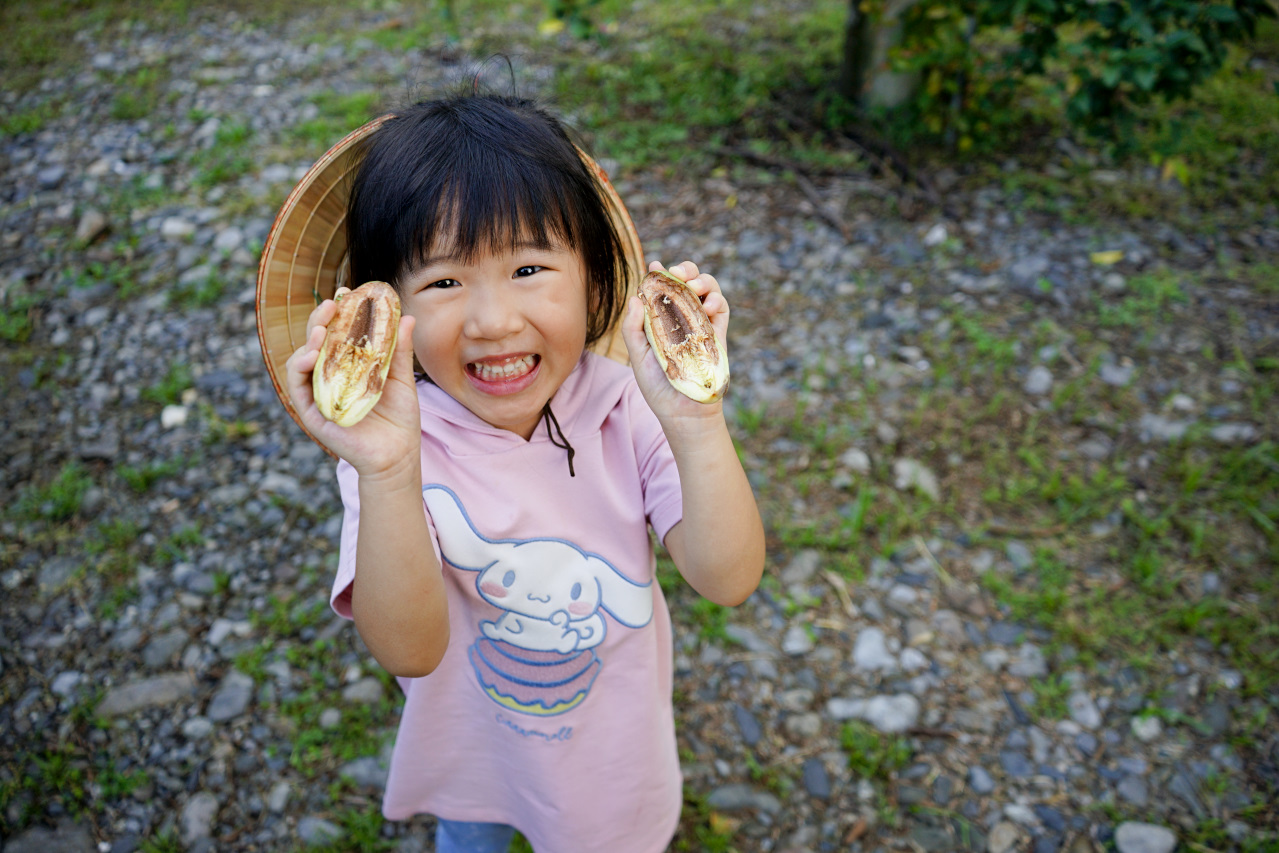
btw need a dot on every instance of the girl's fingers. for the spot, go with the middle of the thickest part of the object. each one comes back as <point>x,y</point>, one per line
<point>320,318</point>
<point>402,358</point>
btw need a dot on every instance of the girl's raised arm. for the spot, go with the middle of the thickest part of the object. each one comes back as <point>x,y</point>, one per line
<point>718,546</point>
<point>398,597</point>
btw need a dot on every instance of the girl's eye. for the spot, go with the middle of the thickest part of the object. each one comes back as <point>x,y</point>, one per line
<point>442,284</point>
<point>527,271</point>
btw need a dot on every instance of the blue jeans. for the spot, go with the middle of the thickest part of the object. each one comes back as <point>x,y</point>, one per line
<point>459,836</point>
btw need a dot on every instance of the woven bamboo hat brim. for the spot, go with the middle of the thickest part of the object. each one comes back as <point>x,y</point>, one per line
<point>304,258</point>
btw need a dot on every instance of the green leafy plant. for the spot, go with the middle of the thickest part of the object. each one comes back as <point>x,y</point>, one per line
<point>1105,60</point>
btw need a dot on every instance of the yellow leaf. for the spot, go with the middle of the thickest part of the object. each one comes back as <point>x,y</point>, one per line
<point>934,82</point>
<point>1175,167</point>
<point>1106,259</point>
<point>731,201</point>
<point>722,825</point>
<point>550,27</point>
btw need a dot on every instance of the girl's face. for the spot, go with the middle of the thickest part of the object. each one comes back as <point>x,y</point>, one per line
<point>500,333</point>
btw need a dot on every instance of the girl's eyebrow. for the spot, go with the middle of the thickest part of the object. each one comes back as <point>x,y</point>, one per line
<point>522,246</point>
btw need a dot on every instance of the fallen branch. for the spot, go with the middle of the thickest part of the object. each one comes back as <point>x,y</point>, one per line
<point>801,180</point>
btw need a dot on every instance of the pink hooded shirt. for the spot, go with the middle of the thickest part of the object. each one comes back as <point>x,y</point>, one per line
<point>551,710</point>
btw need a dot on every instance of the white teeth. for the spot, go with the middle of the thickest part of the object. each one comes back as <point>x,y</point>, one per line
<point>506,370</point>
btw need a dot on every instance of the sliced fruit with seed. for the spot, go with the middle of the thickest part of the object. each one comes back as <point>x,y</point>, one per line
<point>679,331</point>
<point>356,355</point>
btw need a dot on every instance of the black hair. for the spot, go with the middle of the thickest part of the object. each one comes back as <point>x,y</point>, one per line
<point>484,172</point>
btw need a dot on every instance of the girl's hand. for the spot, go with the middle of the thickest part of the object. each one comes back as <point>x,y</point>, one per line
<point>387,441</point>
<point>677,413</point>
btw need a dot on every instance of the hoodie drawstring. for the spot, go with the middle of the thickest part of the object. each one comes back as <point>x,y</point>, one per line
<point>549,417</point>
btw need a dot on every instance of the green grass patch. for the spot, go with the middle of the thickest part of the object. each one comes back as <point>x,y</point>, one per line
<point>1148,301</point>
<point>57,500</point>
<point>138,95</point>
<point>201,293</point>
<point>871,753</point>
<point>339,114</point>
<point>691,80</point>
<point>140,478</point>
<point>16,316</point>
<point>168,391</point>
<point>228,159</point>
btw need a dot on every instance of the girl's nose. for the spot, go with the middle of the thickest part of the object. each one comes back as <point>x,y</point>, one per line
<point>492,313</point>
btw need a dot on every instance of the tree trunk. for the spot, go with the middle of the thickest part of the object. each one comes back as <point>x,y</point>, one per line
<point>858,53</point>
<point>864,76</point>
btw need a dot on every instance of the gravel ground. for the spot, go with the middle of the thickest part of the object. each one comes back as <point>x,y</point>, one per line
<point>171,678</point>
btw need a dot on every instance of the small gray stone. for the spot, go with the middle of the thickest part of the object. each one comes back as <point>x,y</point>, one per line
<point>92,225</point>
<point>740,796</point>
<point>50,177</point>
<point>163,648</point>
<point>816,779</point>
<point>1158,428</point>
<point>856,460</point>
<point>798,641</point>
<point>65,683</point>
<point>1029,662</point>
<point>1006,633</point>
<point>148,692</point>
<point>228,239</point>
<point>889,714</point>
<point>1003,837</point>
<point>870,652</point>
<point>1133,789</point>
<point>803,726</point>
<point>197,727</point>
<point>316,832</point>
<point>750,640</point>
<point>1133,837</point>
<point>56,573</point>
<point>176,228</point>
<point>1039,381</point>
<point>1234,433</point>
<point>278,800</point>
<point>366,691</point>
<point>370,771</point>
<point>1016,765</point>
<point>67,838</point>
<point>1184,788</point>
<point>911,474</point>
<point>1083,710</point>
<point>232,697</point>
<point>330,718</point>
<point>913,660</point>
<point>1117,375</point>
<point>980,780</point>
<point>1146,729</point>
<point>1030,269</point>
<point>747,725</point>
<point>802,567</point>
<point>197,817</point>
<point>1019,555</point>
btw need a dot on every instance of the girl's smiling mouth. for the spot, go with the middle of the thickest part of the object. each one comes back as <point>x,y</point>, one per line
<point>504,374</point>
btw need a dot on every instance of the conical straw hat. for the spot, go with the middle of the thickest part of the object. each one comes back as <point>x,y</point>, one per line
<point>305,256</point>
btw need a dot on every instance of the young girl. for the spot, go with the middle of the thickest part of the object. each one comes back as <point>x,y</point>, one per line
<point>495,551</point>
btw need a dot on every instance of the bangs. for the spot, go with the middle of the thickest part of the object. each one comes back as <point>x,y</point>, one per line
<point>491,210</point>
<point>476,175</point>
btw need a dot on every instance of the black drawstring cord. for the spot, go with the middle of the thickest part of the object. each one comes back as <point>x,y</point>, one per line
<point>549,417</point>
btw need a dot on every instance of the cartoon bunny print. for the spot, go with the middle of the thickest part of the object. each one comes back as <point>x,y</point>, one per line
<point>538,656</point>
